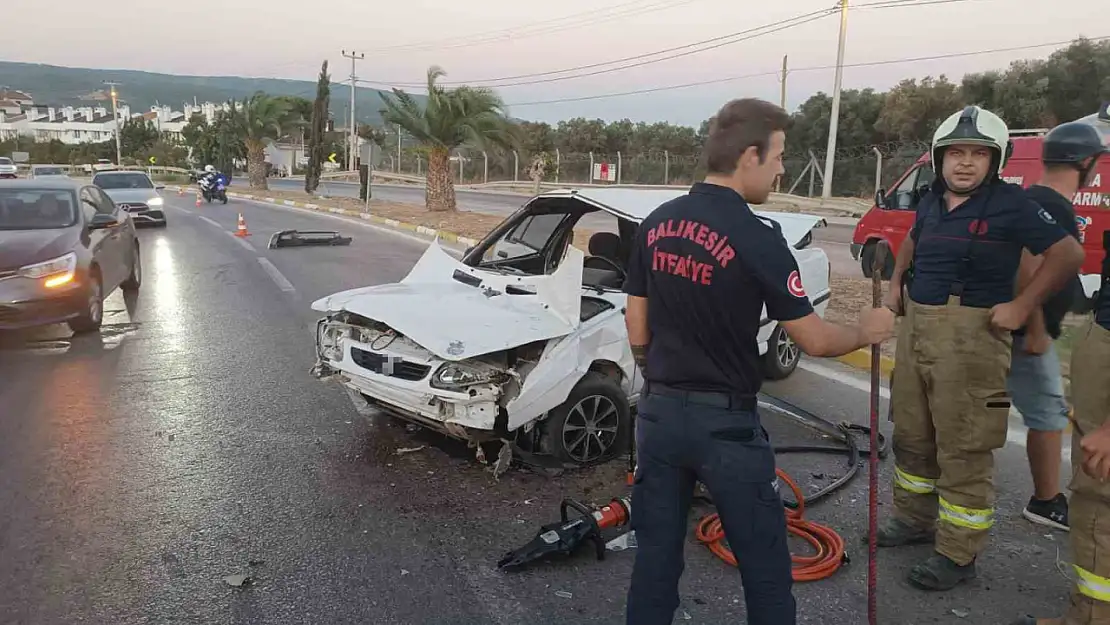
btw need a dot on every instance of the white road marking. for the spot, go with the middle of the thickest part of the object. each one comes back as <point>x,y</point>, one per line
<point>184,210</point>
<point>275,275</point>
<point>847,379</point>
<point>348,220</point>
<point>211,221</point>
<point>240,241</point>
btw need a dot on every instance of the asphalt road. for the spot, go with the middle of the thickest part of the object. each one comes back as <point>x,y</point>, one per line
<point>188,443</point>
<point>834,239</point>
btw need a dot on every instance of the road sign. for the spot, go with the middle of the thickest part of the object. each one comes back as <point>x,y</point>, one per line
<point>21,157</point>
<point>152,160</point>
<point>605,171</point>
<point>331,157</point>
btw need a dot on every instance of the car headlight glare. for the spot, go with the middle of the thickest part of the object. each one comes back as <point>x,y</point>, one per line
<point>155,201</point>
<point>55,269</point>
<point>452,376</point>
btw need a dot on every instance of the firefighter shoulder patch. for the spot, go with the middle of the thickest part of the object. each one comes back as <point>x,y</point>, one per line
<point>1045,216</point>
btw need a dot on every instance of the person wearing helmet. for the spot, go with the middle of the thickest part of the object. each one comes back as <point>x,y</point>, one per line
<point>1069,154</point>
<point>957,268</point>
<point>1074,149</point>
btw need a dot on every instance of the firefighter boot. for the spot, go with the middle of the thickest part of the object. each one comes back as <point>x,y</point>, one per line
<point>940,573</point>
<point>896,533</point>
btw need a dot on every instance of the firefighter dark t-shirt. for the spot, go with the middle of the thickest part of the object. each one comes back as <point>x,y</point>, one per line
<point>707,264</point>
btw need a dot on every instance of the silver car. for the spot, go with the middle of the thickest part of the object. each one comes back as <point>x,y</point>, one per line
<point>48,171</point>
<point>135,193</point>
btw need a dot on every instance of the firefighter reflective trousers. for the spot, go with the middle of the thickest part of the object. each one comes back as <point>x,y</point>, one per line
<point>1089,509</point>
<point>950,411</point>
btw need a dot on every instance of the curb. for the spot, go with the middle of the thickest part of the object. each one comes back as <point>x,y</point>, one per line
<point>391,224</point>
<point>861,359</point>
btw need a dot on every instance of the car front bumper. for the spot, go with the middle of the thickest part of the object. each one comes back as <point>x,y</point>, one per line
<point>145,214</point>
<point>406,391</point>
<point>8,174</point>
<point>23,304</point>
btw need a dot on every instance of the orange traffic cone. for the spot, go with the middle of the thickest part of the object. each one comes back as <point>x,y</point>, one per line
<point>241,229</point>
<point>198,199</point>
<point>181,191</point>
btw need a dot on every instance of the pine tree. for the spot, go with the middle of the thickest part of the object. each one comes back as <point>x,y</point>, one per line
<point>318,130</point>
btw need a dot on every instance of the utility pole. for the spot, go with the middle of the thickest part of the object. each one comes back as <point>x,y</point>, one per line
<point>782,95</point>
<point>354,56</point>
<point>398,168</point>
<point>782,103</point>
<point>834,117</point>
<point>115,116</point>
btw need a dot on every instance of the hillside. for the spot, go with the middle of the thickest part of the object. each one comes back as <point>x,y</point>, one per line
<point>61,86</point>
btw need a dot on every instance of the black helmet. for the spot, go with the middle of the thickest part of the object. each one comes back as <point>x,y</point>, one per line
<point>1073,142</point>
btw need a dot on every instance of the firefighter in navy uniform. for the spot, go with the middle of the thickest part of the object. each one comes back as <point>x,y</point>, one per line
<point>701,269</point>
<point>949,398</point>
<point>1090,452</point>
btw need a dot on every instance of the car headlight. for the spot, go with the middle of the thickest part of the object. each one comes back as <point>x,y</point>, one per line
<point>56,271</point>
<point>455,376</point>
<point>329,341</point>
<point>155,201</point>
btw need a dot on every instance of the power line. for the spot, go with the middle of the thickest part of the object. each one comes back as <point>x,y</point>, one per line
<point>714,40</point>
<point>585,18</point>
<point>644,59</point>
<point>703,83</point>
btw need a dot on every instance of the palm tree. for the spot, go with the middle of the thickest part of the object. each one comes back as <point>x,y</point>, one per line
<point>261,119</point>
<point>451,117</point>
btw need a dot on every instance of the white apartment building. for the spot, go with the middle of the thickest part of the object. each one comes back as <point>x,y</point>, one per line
<point>20,116</point>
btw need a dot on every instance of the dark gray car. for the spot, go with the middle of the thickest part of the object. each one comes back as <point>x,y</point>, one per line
<point>64,246</point>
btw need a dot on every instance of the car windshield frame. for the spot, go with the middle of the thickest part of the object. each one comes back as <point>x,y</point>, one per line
<point>6,193</point>
<point>124,175</point>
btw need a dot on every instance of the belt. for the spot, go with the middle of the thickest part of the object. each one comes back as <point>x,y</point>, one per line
<point>715,399</point>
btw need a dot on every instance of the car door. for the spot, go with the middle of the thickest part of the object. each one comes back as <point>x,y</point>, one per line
<point>110,257</point>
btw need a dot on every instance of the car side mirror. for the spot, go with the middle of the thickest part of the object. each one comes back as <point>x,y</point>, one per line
<point>880,199</point>
<point>468,251</point>
<point>160,187</point>
<point>100,220</point>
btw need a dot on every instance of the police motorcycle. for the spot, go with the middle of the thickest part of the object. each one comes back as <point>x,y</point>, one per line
<point>213,186</point>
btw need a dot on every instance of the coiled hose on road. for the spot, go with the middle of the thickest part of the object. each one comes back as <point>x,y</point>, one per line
<point>828,545</point>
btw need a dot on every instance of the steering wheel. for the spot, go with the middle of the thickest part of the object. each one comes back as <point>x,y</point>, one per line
<point>611,263</point>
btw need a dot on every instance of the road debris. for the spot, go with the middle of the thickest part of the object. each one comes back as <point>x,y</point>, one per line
<point>238,580</point>
<point>304,238</point>
<point>409,450</point>
<point>564,594</point>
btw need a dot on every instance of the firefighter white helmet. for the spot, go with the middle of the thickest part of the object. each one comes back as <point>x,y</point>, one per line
<point>975,126</point>
<point>209,168</point>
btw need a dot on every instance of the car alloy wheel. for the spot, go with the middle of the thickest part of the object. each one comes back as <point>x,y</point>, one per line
<point>786,350</point>
<point>590,429</point>
<point>96,302</point>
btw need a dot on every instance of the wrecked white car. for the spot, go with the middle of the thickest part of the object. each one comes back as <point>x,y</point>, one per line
<point>523,340</point>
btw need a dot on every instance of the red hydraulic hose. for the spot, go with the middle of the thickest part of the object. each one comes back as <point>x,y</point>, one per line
<point>827,543</point>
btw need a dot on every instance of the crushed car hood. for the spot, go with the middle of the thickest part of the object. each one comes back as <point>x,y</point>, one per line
<point>459,312</point>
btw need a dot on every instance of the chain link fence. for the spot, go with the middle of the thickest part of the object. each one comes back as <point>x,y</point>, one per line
<point>854,167</point>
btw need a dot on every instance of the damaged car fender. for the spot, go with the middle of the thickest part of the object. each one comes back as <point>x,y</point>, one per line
<point>566,361</point>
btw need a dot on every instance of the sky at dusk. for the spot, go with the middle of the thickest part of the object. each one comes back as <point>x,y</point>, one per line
<point>485,39</point>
